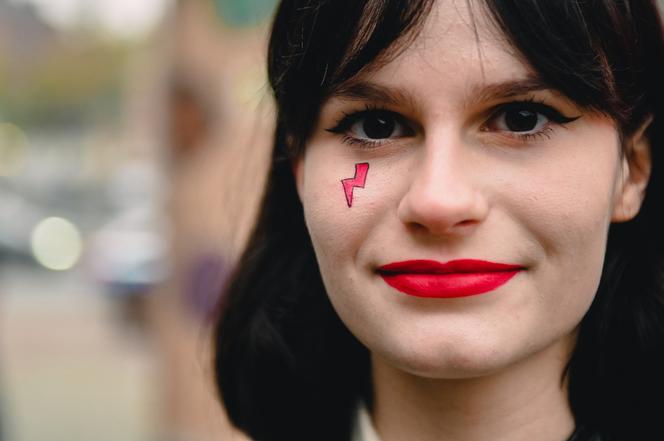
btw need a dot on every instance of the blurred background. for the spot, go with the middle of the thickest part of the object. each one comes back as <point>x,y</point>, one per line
<point>134,137</point>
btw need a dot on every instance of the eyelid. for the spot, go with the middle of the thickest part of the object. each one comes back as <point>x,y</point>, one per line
<point>344,127</point>
<point>538,106</point>
<point>555,119</point>
<point>350,118</point>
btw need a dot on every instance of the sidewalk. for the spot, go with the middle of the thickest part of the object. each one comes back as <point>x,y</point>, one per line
<point>69,372</point>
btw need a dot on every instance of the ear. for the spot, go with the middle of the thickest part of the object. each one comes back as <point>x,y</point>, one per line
<point>297,166</point>
<point>636,169</point>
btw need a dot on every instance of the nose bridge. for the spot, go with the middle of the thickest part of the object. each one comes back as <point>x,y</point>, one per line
<point>442,167</point>
<point>444,191</point>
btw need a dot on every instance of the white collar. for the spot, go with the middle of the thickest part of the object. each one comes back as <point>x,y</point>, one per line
<point>363,429</point>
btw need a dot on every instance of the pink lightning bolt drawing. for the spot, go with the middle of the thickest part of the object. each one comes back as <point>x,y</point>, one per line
<point>358,180</point>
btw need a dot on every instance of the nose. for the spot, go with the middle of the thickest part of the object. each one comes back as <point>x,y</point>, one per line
<point>445,195</point>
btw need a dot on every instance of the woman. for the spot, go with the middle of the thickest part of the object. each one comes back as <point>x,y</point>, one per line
<point>460,237</point>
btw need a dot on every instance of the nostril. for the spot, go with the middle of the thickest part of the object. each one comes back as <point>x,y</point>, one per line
<point>462,227</point>
<point>467,223</point>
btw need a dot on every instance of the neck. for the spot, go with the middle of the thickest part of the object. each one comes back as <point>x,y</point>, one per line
<point>523,402</point>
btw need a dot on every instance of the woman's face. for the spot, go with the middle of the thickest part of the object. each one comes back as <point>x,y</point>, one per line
<point>455,152</point>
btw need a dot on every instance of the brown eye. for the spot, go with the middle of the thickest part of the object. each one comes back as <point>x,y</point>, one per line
<point>522,120</point>
<point>525,118</point>
<point>373,125</point>
<point>378,126</point>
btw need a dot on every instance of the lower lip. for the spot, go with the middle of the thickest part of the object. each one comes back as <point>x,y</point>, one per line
<point>448,286</point>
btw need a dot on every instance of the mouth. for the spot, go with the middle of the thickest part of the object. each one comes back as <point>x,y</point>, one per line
<point>457,278</point>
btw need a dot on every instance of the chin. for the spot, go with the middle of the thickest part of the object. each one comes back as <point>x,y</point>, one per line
<point>458,360</point>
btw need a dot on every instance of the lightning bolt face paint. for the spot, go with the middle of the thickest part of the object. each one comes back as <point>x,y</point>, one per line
<point>358,180</point>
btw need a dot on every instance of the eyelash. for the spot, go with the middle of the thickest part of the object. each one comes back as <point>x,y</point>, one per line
<point>539,107</point>
<point>343,126</point>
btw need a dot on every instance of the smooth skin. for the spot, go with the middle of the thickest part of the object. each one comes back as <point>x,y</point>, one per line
<point>457,172</point>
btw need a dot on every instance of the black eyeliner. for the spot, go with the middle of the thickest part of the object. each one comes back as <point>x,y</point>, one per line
<point>539,107</point>
<point>351,118</point>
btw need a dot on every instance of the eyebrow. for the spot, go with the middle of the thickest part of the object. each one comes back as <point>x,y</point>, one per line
<point>508,89</point>
<point>367,91</point>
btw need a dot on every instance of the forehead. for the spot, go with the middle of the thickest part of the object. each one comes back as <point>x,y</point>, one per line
<point>458,51</point>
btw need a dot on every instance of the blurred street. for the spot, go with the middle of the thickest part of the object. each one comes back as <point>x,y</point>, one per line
<point>68,370</point>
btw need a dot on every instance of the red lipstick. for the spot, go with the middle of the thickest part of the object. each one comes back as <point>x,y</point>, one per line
<point>457,278</point>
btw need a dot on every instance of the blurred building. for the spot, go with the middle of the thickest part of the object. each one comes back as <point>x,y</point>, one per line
<point>24,37</point>
<point>217,137</point>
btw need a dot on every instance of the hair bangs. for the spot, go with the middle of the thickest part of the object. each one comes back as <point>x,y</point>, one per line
<point>323,54</point>
<point>560,41</point>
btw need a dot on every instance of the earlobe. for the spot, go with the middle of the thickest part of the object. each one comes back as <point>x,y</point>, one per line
<point>636,170</point>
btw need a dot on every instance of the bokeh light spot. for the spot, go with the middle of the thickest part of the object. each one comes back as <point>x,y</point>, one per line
<point>56,243</point>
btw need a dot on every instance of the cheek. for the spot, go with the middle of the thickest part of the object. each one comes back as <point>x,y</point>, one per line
<point>567,199</point>
<point>341,235</point>
<point>566,211</point>
<point>339,206</point>
<point>345,199</point>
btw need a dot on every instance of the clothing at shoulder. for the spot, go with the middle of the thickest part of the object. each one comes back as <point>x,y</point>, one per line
<point>363,429</point>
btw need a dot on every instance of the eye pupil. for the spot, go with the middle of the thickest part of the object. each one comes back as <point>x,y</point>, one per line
<point>521,120</point>
<point>378,126</point>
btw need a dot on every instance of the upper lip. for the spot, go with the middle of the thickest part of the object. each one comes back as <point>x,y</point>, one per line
<point>451,267</point>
